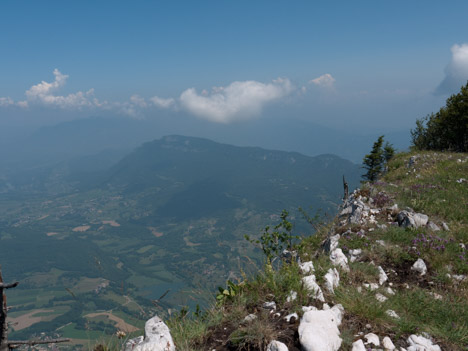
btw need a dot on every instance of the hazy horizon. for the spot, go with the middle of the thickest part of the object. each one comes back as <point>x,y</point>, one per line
<point>229,68</point>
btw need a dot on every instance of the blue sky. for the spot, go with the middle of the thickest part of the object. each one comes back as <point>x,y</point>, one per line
<point>367,64</point>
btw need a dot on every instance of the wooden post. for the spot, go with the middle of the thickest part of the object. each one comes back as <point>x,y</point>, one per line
<point>3,313</point>
<point>346,191</point>
<point>6,345</point>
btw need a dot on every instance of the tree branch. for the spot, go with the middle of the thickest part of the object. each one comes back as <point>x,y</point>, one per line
<point>8,286</point>
<point>15,344</point>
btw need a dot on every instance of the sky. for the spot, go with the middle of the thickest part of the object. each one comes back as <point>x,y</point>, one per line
<point>357,65</point>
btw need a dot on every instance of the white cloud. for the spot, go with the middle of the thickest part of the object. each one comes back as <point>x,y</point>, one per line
<point>44,93</point>
<point>237,101</point>
<point>456,72</point>
<point>6,101</point>
<point>161,102</point>
<point>326,80</point>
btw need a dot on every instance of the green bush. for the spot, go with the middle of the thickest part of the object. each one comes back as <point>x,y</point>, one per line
<point>446,129</point>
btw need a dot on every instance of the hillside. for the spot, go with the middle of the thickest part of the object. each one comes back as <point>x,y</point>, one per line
<point>171,215</point>
<point>389,272</point>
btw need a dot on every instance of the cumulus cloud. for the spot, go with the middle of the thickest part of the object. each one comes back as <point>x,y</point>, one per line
<point>161,102</point>
<point>456,72</point>
<point>237,101</point>
<point>6,101</point>
<point>44,93</point>
<point>326,80</point>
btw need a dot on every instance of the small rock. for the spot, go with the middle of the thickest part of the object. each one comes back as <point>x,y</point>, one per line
<point>380,297</point>
<point>358,346</point>
<point>459,277</point>
<point>432,226</point>
<point>354,254</point>
<point>382,275</point>
<point>338,258</point>
<point>388,344</point>
<point>334,241</point>
<point>292,315</point>
<point>418,343</point>
<point>445,226</point>
<point>249,318</point>
<point>420,267</point>
<point>311,284</point>
<point>371,338</point>
<point>371,286</point>
<point>435,295</point>
<point>307,267</point>
<point>392,314</point>
<point>292,296</point>
<point>381,242</point>
<point>269,305</point>
<point>390,291</point>
<point>332,280</point>
<point>276,346</point>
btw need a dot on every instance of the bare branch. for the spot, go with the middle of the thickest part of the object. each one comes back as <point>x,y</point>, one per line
<point>15,344</point>
<point>8,286</point>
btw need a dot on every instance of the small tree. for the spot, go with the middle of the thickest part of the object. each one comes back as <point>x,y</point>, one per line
<point>374,161</point>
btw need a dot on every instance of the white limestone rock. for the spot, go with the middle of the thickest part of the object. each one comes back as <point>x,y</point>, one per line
<point>420,343</point>
<point>358,346</point>
<point>371,286</point>
<point>311,284</point>
<point>380,297</point>
<point>157,338</point>
<point>338,258</point>
<point>388,344</point>
<point>432,226</point>
<point>392,314</point>
<point>308,308</point>
<point>307,267</point>
<point>318,330</point>
<point>276,346</point>
<point>413,220</point>
<point>269,305</point>
<point>354,254</point>
<point>420,267</point>
<point>334,241</point>
<point>249,318</point>
<point>332,280</point>
<point>382,275</point>
<point>292,315</point>
<point>372,338</point>
<point>292,296</point>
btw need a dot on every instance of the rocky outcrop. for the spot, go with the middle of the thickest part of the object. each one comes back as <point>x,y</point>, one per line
<point>157,338</point>
<point>318,330</point>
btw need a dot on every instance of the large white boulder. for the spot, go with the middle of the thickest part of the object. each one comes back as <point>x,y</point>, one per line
<point>276,346</point>
<point>311,284</point>
<point>318,330</point>
<point>410,219</point>
<point>420,343</point>
<point>157,338</point>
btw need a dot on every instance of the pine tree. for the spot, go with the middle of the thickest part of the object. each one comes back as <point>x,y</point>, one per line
<point>374,161</point>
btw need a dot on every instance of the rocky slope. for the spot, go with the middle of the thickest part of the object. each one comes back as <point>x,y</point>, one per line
<point>389,273</point>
